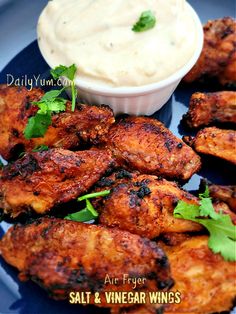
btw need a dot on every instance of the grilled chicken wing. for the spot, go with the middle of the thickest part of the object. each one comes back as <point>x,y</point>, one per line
<point>218,57</point>
<point>146,145</point>
<point>143,205</point>
<point>39,181</point>
<point>210,108</point>
<point>224,193</point>
<point>215,142</point>
<point>205,280</point>
<point>68,129</point>
<point>70,256</point>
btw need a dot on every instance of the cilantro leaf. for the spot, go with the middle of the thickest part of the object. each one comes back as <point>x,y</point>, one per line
<point>51,102</point>
<point>222,232</point>
<point>59,104</point>
<point>68,72</point>
<point>89,212</point>
<point>63,70</point>
<point>81,216</point>
<point>146,21</point>
<point>51,95</point>
<point>37,125</point>
<point>40,148</point>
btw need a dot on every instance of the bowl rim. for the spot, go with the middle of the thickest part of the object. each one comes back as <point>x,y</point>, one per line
<point>94,88</point>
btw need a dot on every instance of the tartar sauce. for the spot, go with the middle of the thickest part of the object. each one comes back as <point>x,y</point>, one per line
<point>97,36</point>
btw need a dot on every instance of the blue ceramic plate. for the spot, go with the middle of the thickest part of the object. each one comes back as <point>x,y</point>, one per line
<point>27,298</point>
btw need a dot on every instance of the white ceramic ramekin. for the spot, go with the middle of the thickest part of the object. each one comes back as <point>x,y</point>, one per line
<point>141,100</point>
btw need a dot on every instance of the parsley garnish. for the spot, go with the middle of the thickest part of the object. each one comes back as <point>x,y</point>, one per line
<point>89,212</point>
<point>221,229</point>
<point>51,102</point>
<point>146,21</point>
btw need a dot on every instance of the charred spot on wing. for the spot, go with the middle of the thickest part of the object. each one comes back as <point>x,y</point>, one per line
<point>105,182</point>
<point>123,174</point>
<point>27,166</point>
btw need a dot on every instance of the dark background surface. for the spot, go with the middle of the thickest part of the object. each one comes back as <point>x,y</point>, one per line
<point>17,24</point>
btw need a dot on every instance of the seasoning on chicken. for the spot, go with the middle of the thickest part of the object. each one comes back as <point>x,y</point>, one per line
<point>39,181</point>
<point>215,142</point>
<point>205,280</point>
<point>224,193</point>
<point>146,145</point>
<point>64,256</point>
<point>211,108</point>
<point>68,130</point>
<point>143,205</point>
<point>218,57</point>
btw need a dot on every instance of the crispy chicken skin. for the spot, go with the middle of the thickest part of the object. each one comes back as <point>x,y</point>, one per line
<point>210,108</point>
<point>146,145</point>
<point>143,205</point>
<point>39,181</point>
<point>218,57</point>
<point>206,281</point>
<point>222,193</point>
<point>63,256</point>
<point>215,142</point>
<point>68,129</point>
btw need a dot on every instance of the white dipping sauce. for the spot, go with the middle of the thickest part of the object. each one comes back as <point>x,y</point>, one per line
<point>97,36</point>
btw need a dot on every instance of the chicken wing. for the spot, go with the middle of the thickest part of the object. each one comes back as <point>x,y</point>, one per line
<point>39,181</point>
<point>70,256</point>
<point>143,205</point>
<point>205,280</point>
<point>68,129</point>
<point>224,193</point>
<point>146,145</point>
<point>215,142</point>
<point>210,108</point>
<point>218,57</point>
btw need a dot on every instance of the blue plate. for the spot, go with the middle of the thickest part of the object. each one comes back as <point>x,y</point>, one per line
<point>27,298</point>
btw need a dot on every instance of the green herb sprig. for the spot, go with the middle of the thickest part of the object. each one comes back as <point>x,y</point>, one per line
<point>146,21</point>
<point>40,148</point>
<point>89,212</point>
<point>1,164</point>
<point>50,103</point>
<point>222,231</point>
<point>68,72</point>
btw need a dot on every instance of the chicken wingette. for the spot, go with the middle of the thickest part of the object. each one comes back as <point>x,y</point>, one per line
<point>68,130</point>
<point>64,256</point>
<point>205,280</point>
<point>218,57</point>
<point>143,204</point>
<point>211,108</point>
<point>42,180</point>
<point>216,142</point>
<point>146,145</point>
